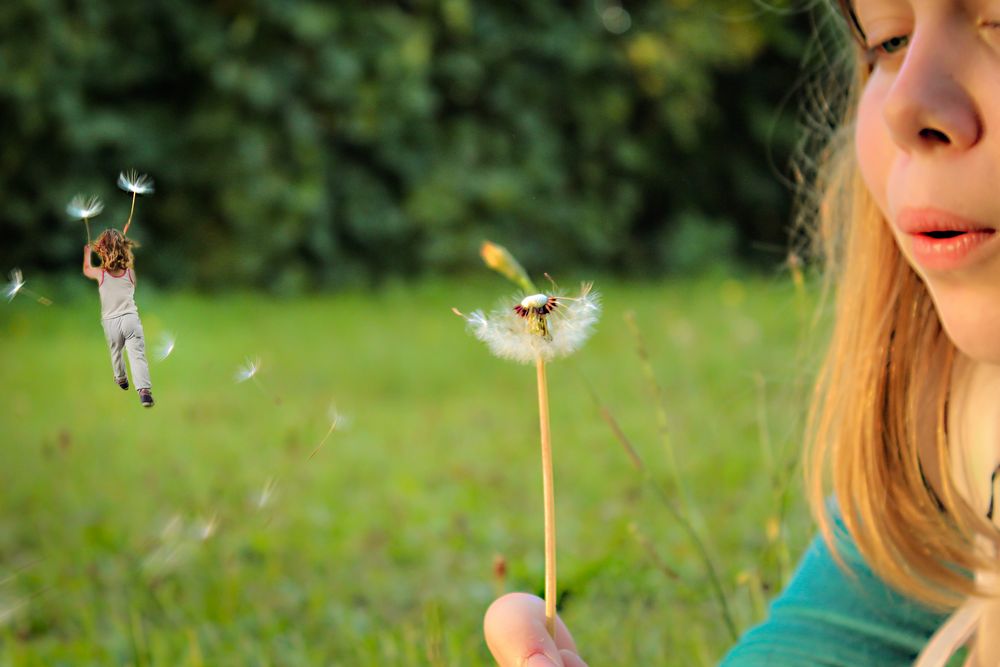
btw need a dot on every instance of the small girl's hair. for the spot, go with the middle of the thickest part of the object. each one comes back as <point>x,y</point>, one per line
<point>115,250</point>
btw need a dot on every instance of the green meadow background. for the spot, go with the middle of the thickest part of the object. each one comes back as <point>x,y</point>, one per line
<point>201,532</point>
<point>325,173</point>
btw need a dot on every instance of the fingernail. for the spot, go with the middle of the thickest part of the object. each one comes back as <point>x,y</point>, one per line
<point>540,660</point>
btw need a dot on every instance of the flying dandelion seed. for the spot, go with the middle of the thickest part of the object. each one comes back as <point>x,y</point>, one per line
<point>248,370</point>
<point>9,610</point>
<point>172,528</point>
<point>137,184</point>
<point>165,347</point>
<point>267,493</point>
<point>337,421</point>
<point>16,286</point>
<point>83,208</point>
<point>175,546</point>
<point>206,529</point>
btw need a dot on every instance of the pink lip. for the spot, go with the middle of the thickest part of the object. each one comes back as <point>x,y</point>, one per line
<point>941,241</point>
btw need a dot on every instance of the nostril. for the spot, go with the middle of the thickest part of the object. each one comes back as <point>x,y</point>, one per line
<point>934,135</point>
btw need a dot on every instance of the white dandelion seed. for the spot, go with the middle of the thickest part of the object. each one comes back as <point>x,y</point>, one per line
<point>15,284</point>
<point>248,370</point>
<point>338,419</point>
<point>540,326</point>
<point>206,529</point>
<point>136,183</point>
<point>165,347</point>
<point>172,528</point>
<point>267,493</point>
<point>83,208</point>
<point>9,610</point>
<point>338,422</point>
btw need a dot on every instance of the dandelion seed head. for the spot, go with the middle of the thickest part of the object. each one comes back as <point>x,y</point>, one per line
<point>510,335</point>
<point>132,181</point>
<point>82,207</point>
<point>15,284</point>
<point>248,370</point>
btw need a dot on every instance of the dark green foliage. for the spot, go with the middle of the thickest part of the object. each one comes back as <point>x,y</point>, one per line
<point>299,145</point>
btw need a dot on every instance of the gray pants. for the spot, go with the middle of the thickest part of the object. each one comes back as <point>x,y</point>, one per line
<point>126,331</point>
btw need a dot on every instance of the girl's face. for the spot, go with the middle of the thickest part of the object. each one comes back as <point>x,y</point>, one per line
<point>928,145</point>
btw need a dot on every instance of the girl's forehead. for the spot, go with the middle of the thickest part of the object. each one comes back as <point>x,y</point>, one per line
<point>856,6</point>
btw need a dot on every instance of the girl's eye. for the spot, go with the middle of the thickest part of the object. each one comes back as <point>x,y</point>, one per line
<point>891,45</point>
<point>885,49</point>
<point>894,44</point>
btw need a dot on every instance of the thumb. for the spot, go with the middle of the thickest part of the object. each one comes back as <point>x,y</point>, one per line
<point>515,632</point>
<point>571,659</point>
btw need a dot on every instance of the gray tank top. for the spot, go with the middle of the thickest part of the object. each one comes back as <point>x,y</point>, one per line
<point>117,294</point>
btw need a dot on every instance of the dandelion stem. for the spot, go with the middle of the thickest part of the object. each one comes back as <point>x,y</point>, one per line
<point>131,210</point>
<point>38,297</point>
<point>548,495</point>
<point>265,392</point>
<point>325,437</point>
<point>86,223</point>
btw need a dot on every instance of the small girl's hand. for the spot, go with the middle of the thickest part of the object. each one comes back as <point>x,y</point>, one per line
<point>516,634</point>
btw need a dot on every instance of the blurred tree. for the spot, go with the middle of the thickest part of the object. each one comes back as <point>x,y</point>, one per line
<point>307,144</point>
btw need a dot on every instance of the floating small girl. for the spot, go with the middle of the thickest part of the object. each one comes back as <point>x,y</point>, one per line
<point>119,314</point>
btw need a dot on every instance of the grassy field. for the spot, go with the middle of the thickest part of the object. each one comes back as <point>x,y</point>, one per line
<point>201,533</point>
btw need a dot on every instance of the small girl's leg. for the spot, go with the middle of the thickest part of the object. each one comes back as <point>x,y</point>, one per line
<point>113,334</point>
<point>135,342</point>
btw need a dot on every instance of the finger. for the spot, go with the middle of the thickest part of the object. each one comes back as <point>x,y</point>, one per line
<point>571,659</point>
<point>515,632</point>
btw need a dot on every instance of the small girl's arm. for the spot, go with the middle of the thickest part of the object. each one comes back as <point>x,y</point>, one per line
<point>88,269</point>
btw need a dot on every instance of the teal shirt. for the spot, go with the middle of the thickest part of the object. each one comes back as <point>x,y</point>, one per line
<point>826,617</point>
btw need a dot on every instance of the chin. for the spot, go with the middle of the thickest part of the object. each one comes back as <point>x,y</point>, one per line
<point>971,319</point>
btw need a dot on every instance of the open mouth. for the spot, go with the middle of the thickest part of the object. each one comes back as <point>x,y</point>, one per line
<point>943,235</point>
<point>940,240</point>
<point>945,249</point>
<point>953,233</point>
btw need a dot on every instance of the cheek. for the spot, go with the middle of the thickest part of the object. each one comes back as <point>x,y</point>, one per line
<point>873,146</point>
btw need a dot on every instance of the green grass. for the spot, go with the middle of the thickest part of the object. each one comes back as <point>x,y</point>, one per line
<point>380,549</point>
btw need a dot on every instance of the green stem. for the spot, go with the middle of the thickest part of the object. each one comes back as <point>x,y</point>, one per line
<point>675,511</point>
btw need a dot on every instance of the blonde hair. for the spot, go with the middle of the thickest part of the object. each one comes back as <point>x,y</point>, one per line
<point>115,250</point>
<point>887,372</point>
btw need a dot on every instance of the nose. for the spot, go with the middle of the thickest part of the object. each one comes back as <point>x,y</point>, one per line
<point>928,107</point>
